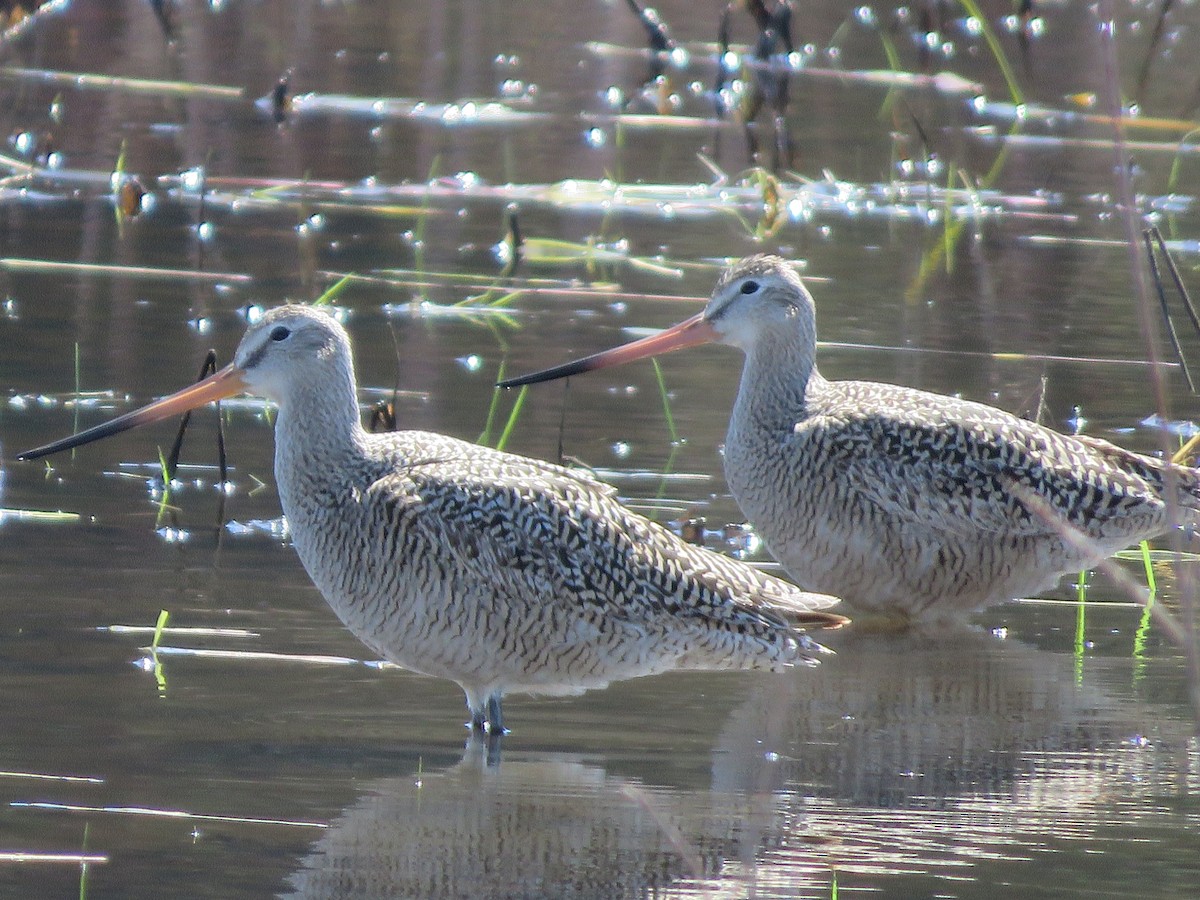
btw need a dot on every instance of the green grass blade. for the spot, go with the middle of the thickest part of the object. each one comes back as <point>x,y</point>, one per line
<point>989,35</point>
<point>159,627</point>
<point>1150,581</point>
<point>511,425</point>
<point>333,290</point>
<point>666,402</point>
<point>160,676</point>
<point>1139,640</point>
<point>485,437</point>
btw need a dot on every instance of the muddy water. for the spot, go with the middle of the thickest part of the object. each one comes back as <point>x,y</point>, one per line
<point>1043,743</point>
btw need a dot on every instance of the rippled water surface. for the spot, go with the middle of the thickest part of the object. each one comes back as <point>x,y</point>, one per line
<point>1046,746</point>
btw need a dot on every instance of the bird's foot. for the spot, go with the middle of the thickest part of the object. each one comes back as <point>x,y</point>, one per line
<point>488,720</point>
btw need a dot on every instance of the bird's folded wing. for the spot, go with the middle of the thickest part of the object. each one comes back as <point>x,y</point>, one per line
<point>1006,476</point>
<point>553,538</point>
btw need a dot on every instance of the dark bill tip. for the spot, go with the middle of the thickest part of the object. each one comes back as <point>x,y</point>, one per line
<point>578,367</point>
<point>225,383</point>
<point>688,333</point>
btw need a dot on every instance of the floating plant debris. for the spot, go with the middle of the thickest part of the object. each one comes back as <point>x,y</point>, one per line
<point>652,121</point>
<point>29,856</point>
<point>1048,115</point>
<point>459,113</point>
<point>799,200</point>
<point>38,515</point>
<point>179,631</point>
<point>64,267</point>
<point>86,81</point>
<point>257,656</point>
<point>153,813</point>
<point>1108,145</point>
<point>43,776</point>
<point>706,54</point>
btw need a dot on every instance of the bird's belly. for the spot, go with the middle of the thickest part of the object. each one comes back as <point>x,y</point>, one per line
<point>831,540</point>
<point>919,575</point>
<point>421,612</point>
<point>472,635</point>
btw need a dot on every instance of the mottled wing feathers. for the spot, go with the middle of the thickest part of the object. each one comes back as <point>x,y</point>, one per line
<point>539,531</point>
<point>953,465</point>
<point>1157,473</point>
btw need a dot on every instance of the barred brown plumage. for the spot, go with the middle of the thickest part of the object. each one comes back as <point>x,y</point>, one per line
<point>498,572</point>
<point>899,500</point>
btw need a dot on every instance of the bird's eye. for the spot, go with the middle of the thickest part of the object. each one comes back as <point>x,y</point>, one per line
<point>280,333</point>
<point>749,287</point>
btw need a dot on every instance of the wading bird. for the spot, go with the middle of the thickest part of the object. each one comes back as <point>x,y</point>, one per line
<point>907,503</point>
<point>498,572</point>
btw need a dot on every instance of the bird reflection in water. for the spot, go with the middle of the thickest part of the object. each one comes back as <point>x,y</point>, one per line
<point>912,754</point>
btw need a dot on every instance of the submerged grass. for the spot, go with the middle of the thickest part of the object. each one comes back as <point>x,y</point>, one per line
<point>160,675</point>
<point>423,217</point>
<point>118,179</point>
<point>1140,638</point>
<point>1151,583</point>
<point>83,865</point>
<point>164,502</point>
<point>78,394</point>
<point>1080,626</point>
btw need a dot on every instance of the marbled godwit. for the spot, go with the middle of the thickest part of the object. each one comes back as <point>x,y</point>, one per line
<point>498,572</point>
<point>904,502</point>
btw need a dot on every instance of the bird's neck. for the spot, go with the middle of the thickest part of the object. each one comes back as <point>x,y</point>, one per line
<point>318,433</point>
<point>778,379</point>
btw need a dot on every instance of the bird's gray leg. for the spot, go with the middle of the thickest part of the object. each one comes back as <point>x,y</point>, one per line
<point>486,715</point>
<point>487,727</point>
<point>495,718</point>
<point>478,709</point>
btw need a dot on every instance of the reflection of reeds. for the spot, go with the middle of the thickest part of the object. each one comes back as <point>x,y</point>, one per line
<point>1183,633</point>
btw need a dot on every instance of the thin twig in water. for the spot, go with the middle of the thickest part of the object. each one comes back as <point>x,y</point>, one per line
<point>1166,311</point>
<point>1151,50</point>
<point>208,367</point>
<point>1175,276</point>
<point>562,421</point>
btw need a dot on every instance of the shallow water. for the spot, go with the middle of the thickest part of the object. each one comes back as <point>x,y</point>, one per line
<point>1035,746</point>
